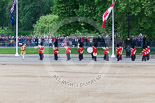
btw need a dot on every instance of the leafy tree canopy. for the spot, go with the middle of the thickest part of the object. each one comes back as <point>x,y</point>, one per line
<point>45,24</point>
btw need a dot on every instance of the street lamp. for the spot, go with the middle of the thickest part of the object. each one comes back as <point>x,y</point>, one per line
<point>128,42</point>
<point>128,14</point>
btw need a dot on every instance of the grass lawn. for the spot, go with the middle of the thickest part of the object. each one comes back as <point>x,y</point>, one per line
<point>50,51</point>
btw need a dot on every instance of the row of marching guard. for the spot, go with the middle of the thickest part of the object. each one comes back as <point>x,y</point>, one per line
<point>92,50</point>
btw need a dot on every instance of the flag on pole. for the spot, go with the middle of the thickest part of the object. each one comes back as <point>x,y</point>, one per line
<point>12,12</point>
<point>106,14</point>
<point>20,44</point>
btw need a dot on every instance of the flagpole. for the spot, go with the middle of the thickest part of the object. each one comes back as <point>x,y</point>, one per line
<point>113,45</point>
<point>16,28</point>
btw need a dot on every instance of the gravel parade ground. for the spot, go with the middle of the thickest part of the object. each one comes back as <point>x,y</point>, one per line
<point>87,81</point>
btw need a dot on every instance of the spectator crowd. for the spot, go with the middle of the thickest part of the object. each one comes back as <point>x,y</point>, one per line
<point>100,41</point>
<point>31,41</point>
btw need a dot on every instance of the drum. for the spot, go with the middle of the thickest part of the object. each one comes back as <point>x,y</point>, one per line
<point>103,48</point>
<point>89,49</point>
<point>95,54</point>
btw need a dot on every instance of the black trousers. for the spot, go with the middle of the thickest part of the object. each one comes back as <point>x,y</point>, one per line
<point>68,56</point>
<point>92,55</point>
<point>55,56</point>
<point>118,57</point>
<point>143,58</point>
<point>148,56</point>
<point>80,57</point>
<point>133,57</point>
<point>41,56</point>
<point>106,57</point>
<point>95,58</point>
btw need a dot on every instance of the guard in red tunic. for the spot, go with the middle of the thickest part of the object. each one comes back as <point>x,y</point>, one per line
<point>106,53</point>
<point>148,53</point>
<point>135,48</point>
<point>56,50</point>
<point>133,53</point>
<point>68,51</point>
<point>121,52</point>
<point>94,53</point>
<point>41,51</point>
<point>81,50</point>
<point>144,55</point>
<point>118,53</point>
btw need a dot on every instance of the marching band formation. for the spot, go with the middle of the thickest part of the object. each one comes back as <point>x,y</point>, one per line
<point>92,50</point>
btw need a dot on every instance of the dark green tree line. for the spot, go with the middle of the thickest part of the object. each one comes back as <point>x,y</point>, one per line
<point>29,12</point>
<point>142,15</point>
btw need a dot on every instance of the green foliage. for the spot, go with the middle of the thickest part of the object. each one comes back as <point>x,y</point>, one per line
<point>45,24</point>
<point>7,31</point>
<point>3,4</point>
<point>65,9</point>
<point>29,12</point>
<point>68,8</point>
<point>142,16</point>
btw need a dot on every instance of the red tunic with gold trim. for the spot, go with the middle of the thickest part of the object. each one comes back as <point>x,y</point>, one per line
<point>121,50</point>
<point>148,50</point>
<point>80,50</point>
<point>41,50</point>
<point>106,51</point>
<point>94,50</point>
<point>144,52</point>
<point>133,52</point>
<point>68,50</point>
<point>56,50</point>
<point>118,51</point>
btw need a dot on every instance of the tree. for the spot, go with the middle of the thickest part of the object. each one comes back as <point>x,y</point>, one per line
<point>45,24</point>
<point>30,11</point>
<point>142,16</point>
<point>3,4</point>
<point>79,8</point>
<point>65,9</point>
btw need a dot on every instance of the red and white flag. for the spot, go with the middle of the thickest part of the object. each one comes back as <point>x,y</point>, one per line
<point>106,14</point>
<point>20,44</point>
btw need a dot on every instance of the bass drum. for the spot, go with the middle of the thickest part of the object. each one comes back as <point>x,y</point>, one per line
<point>95,54</point>
<point>89,49</point>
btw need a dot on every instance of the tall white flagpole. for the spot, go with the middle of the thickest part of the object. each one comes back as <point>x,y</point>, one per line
<point>113,45</point>
<point>16,28</point>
